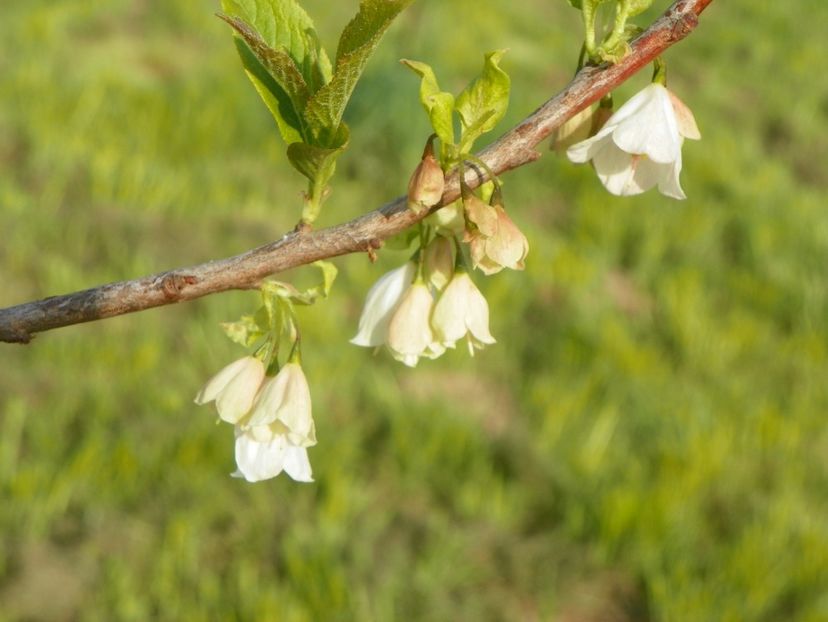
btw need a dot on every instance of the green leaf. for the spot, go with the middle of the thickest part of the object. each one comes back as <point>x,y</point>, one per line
<point>245,332</point>
<point>275,293</point>
<point>280,67</point>
<point>358,41</point>
<point>318,163</point>
<point>284,25</point>
<point>438,104</point>
<point>483,102</point>
<point>639,6</point>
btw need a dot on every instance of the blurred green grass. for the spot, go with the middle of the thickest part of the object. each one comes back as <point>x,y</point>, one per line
<point>647,441</point>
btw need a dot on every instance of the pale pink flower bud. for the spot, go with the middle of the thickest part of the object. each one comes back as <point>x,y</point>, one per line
<point>425,188</point>
<point>573,130</point>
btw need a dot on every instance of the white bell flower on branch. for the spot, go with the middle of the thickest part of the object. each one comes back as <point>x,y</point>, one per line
<point>280,428</point>
<point>640,145</point>
<point>234,388</point>
<point>382,300</point>
<point>409,332</point>
<point>462,311</point>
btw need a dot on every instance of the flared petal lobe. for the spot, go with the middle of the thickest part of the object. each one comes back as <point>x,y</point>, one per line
<point>234,388</point>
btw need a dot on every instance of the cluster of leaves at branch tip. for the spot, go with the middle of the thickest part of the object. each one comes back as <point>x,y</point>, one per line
<point>305,92</point>
<point>266,396</point>
<point>614,45</point>
<point>478,108</point>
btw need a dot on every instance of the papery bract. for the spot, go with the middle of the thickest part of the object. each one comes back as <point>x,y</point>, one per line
<point>234,388</point>
<point>640,145</point>
<point>462,311</point>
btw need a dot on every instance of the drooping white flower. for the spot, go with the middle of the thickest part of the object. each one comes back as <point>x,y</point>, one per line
<point>409,332</point>
<point>462,311</point>
<point>380,303</point>
<point>279,430</point>
<point>640,145</point>
<point>234,388</point>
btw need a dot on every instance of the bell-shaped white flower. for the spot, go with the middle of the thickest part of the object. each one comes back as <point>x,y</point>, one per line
<point>279,429</point>
<point>462,311</point>
<point>234,388</point>
<point>640,145</point>
<point>409,332</point>
<point>495,242</point>
<point>262,455</point>
<point>382,300</point>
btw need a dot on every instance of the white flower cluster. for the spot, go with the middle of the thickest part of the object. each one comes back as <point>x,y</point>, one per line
<point>416,318</point>
<point>271,415</point>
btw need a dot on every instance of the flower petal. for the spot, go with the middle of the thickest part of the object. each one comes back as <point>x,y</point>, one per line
<point>615,169</point>
<point>684,117</point>
<point>297,465</point>
<point>258,461</point>
<point>217,383</point>
<point>409,332</point>
<point>380,303</point>
<point>585,150</point>
<point>653,129</point>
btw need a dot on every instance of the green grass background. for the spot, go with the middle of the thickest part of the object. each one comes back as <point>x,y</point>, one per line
<point>647,440</point>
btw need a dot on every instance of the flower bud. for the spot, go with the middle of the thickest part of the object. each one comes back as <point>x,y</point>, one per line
<point>425,188</point>
<point>573,130</point>
<point>439,262</point>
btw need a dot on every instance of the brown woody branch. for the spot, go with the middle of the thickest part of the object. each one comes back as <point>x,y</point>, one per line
<point>19,323</point>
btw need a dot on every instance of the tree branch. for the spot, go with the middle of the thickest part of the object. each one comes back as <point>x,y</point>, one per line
<point>19,323</point>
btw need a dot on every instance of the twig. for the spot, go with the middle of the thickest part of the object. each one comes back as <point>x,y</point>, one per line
<point>19,323</point>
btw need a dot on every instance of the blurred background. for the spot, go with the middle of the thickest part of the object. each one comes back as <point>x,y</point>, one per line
<point>647,440</point>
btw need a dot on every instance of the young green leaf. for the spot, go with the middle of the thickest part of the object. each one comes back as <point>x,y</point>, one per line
<point>283,24</point>
<point>438,104</point>
<point>639,6</point>
<point>358,41</point>
<point>483,102</point>
<point>245,332</point>
<point>278,63</point>
<point>288,119</point>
